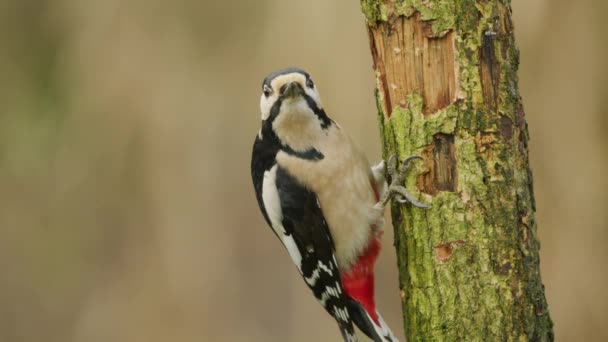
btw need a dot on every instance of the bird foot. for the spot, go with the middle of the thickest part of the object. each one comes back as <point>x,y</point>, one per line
<point>395,189</point>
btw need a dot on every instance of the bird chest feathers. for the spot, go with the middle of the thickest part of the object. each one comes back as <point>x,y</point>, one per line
<point>341,180</point>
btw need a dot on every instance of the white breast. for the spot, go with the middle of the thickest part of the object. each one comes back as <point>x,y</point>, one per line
<point>341,181</point>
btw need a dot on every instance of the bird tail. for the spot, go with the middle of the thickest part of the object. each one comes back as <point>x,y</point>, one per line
<point>371,325</point>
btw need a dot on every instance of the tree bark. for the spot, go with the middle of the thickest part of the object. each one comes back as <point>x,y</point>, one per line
<point>447,90</point>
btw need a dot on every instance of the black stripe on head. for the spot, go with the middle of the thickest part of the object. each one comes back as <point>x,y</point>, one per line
<point>284,71</point>
<point>274,110</point>
<point>319,112</point>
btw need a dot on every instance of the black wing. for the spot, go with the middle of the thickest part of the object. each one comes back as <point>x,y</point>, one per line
<point>303,220</point>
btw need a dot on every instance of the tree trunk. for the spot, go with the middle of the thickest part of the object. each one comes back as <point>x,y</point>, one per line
<point>447,91</point>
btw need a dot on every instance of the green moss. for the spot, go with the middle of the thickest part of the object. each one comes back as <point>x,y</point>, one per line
<point>374,10</point>
<point>441,13</point>
<point>407,129</point>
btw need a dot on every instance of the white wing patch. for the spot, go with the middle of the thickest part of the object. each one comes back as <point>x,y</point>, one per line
<point>293,250</point>
<point>272,205</point>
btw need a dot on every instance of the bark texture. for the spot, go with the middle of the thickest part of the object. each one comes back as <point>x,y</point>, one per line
<point>447,90</point>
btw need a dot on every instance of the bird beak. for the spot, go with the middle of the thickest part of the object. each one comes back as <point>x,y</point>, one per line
<point>292,89</point>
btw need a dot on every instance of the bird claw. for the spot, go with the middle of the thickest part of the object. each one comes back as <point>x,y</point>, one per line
<point>402,196</point>
<point>392,161</point>
<point>399,192</point>
<point>391,165</point>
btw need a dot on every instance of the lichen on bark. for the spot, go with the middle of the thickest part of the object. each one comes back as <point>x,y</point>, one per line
<point>469,266</point>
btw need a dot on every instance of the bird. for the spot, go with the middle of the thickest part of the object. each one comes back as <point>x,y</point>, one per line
<point>323,200</point>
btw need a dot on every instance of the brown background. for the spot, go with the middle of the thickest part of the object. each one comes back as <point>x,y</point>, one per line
<point>126,209</point>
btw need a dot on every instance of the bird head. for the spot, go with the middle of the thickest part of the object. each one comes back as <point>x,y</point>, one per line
<point>289,92</point>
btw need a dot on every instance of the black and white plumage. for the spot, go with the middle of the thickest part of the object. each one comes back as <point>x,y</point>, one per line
<point>320,196</point>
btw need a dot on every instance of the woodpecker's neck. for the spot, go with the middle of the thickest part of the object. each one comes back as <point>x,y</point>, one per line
<point>298,126</point>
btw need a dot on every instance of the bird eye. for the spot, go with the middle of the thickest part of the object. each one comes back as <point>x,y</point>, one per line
<point>309,83</point>
<point>267,90</point>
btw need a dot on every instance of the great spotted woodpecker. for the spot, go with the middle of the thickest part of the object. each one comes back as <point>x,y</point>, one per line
<point>316,190</point>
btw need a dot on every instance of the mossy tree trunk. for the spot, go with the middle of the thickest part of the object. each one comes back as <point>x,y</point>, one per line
<point>447,91</point>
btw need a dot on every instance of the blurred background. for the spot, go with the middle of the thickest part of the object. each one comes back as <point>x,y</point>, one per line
<point>126,209</point>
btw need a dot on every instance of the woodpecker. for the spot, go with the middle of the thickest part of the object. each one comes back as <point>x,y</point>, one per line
<point>322,199</point>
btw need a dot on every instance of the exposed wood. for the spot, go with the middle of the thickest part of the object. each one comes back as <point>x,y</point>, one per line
<point>441,166</point>
<point>407,59</point>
